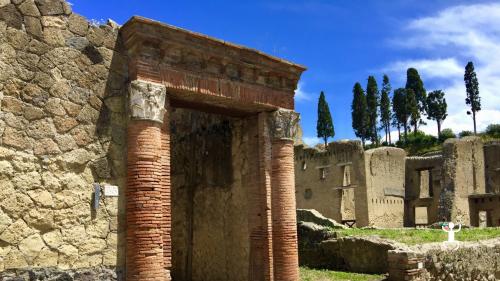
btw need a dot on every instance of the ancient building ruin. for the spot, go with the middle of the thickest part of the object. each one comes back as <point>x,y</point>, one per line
<point>142,152</point>
<point>388,189</point>
<point>349,185</point>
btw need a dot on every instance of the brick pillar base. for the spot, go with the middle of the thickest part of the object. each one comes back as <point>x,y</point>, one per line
<point>144,203</point>
<point>285,254</point>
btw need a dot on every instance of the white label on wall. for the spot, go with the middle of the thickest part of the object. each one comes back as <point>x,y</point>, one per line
<point>420,265</point>
<point>111,190</point>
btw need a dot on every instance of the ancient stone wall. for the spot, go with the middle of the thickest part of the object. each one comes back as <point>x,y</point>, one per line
<point>485,210</point>
<point>447,262</point>
<point>325,181</point>
<point>210,180</point>
<point>422,189</point>
<point>380,194</point>
<point>62,128</point>
<point>492,167</point>
<point>463,175</point>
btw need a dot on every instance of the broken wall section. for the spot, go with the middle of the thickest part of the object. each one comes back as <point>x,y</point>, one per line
<point>62,128</point>
<point>325,179</point>
<point>380,194</point>
<point>463,175</point>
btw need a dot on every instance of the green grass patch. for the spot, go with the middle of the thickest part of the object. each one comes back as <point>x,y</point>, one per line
<point>411,236</point>
<point>307,274</point>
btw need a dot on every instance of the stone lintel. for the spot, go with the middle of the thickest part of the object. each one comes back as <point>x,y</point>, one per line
<point>283,124</point>
<point>147,101</point>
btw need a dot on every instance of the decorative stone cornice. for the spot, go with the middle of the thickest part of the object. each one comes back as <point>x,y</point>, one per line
<point>147,101</point>
<point>164,45</point>
<point>283,124</point>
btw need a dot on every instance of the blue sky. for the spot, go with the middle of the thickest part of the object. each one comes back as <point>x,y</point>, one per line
<point>342,42</point>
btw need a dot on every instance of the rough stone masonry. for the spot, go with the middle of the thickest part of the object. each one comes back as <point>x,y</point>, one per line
<point>195,132</point>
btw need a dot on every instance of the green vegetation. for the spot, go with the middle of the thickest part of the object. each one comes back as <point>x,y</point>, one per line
<point>307,274</point>
<point>412,236</point>
<point>436,108</point>
<point>418,107</point>
<point>358,111</point>
<point>385,109</point>
<point>372,102</point>
<point>472,88</point>
<point>324,126</point>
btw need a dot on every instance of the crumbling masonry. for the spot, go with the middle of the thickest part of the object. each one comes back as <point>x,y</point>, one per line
<point>388,189</point>
<point>142,152</point>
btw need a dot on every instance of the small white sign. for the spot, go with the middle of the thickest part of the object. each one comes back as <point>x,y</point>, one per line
<point>111,190</point>
<point>420,265</point>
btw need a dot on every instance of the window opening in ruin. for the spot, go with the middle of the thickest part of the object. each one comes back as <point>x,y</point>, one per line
<point>431,185</point>
<point>347,175</point>
<point>322,173</point>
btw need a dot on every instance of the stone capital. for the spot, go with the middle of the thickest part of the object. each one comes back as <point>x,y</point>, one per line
<point>283,124</point>
<point>147,101</point>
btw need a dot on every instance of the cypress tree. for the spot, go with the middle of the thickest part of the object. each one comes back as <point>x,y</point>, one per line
<point>324,127</point>
<point>414,83</point>
<point>436,108</point>
<point>472,87</point>
<point>358,111</point>
<point>385,108</point>
<point>412,109</point>
<point>372,101</point>
<point>401,111</point>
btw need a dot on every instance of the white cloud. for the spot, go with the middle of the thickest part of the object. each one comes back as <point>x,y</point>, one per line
<point>301,94</point>
<point>459,34</point>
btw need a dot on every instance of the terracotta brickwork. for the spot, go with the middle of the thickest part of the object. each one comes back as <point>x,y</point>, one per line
<point>145,216</point>
<point>285,253</point>
<point>166,191</point>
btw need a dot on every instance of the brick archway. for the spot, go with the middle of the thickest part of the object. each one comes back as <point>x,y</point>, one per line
<point>173,67</point>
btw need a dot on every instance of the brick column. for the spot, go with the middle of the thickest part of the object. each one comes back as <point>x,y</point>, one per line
<point>283,127</point>
<point>146,220</point>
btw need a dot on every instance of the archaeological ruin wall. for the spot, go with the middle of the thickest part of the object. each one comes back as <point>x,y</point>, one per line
<point>380,194</point>
<point>422,189</point>
<point>492,166</point>
<point>463,174</point>
<point>325,180</point>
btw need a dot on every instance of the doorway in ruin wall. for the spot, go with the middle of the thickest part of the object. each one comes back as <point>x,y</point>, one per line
<point>210,179</point>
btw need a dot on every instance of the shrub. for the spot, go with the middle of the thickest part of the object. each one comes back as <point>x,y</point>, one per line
<point>446,134</point>
<point>493,130</point>
<point>465,134</point>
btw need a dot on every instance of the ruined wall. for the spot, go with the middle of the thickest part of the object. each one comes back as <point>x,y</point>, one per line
<point>324,180</point>
<point>492,167</point>
<point>62,128</point>
<point>485,210</point>
<point>422,189</point>
<point>463,175</point>
<point>380,195</point>
<point>210,181</point>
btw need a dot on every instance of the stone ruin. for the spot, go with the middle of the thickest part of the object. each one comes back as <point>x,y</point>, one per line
<point>141,152</point>
<point>384,188</point>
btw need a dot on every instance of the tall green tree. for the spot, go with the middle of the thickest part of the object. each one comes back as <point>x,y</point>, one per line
<point>385,108</point>
<point>472,87</point>
<point>411,105</point>
<point>414,82</point>
<point>324,127</point>
<point>372,102</point>
<point>358,111</point>
<point>400,110</point>
<point>436,108</point>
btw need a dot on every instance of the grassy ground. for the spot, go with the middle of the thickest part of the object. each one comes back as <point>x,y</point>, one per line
<point>419,236</point>
<point>307,274</point>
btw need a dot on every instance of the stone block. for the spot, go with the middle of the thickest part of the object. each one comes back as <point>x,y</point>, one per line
<point>31,246</point>
<point>33,26</point>
<point>16,232</point>
<point>53,239</point>
<point>11,16</point>
<point>50,7</point>
<point>28,8</point>
<point>78,24</point>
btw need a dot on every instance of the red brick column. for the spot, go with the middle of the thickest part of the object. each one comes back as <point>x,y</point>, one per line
<point>283,124</point>
<point>166,190</point>
<point>145,259</point>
